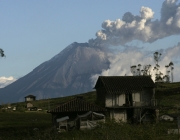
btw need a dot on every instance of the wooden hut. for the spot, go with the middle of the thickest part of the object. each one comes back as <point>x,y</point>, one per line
<point>127,97</point>
<point>30,98</point>
<point>72,108</point>
<point>29,105</point>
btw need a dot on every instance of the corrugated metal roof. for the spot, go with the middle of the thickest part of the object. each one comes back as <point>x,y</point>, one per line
<point>117,84</point>
<point>76,105</point>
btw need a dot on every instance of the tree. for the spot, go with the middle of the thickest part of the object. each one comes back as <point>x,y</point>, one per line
<point>137,71</point>
<point>146,70</point>
<point>171,65</point>
<point>169,69</point>
<point>2,53</point>
<point>157,57</point>
<point>158,73</point>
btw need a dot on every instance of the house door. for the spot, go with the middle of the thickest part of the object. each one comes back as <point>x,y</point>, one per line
<point>130,113</point>
<point>129,100</point>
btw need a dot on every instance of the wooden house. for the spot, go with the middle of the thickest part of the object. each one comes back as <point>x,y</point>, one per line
<point>73,108</point>
<point>29,105</point>
<point>127,97</point>
<point>30,98</point>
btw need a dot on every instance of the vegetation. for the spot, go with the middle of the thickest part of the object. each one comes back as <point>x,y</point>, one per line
<point>168,97</point>
<point>21,124</point>
<point>2,53</point>
<point>28,125</point>
<point>146,70</point>
<point>28,129</point>
<point>47,104</point>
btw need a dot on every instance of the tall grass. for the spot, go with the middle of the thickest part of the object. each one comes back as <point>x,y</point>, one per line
<point>110,130</point>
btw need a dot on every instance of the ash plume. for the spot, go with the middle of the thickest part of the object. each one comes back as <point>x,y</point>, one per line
<point>120,62</point>
<point>140,27</point>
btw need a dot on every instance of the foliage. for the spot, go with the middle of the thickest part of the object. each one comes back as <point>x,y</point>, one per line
<point>23,119</point>
<point>20,107</point>
<point>2,53</point>
<point>146,70</point>
<point>110,130</point>
<point>21,125</point>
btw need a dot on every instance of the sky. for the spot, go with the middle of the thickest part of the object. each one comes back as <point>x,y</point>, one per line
<point>32,32</point>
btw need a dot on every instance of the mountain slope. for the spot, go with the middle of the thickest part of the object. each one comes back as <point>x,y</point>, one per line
<point>65,74</point>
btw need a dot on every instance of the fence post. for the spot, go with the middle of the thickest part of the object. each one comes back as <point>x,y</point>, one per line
<point>178,124</point>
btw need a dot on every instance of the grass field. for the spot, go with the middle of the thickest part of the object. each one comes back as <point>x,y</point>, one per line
<point>20,125</point>
<point>23,119</point>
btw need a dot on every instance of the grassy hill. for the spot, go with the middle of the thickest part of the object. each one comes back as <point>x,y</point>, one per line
<point>168,97</point>
<point>20,124</point>
<point>50,103</point>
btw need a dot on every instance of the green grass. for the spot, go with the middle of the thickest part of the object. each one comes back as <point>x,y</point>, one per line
<point>171,100</point>
<point>168,98</point>
<point>109,131</point>
<point>19,125</point>
<point>168,85</point>
<point>23,119</point>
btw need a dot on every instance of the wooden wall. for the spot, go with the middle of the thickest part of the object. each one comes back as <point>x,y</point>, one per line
<point>100,95</point>
<point>118,115</point>
<point>115,100</point>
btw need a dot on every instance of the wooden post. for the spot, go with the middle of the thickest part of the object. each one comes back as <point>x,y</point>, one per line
<point>178,124</point>
<point>92,116</point>
<point>157,115</point>
<point>140,115</point>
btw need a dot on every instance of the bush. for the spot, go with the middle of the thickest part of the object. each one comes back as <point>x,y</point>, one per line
<point>20,107</point>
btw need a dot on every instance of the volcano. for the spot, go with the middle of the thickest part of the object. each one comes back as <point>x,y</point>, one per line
<point>65,74</point>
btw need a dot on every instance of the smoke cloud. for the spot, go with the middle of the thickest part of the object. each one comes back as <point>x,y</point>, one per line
<point>120,62</point>
<point>140,27</point>
<point>4,81</point>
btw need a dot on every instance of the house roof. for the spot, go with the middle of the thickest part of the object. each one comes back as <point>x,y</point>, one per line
<point>77,105</point>
<point>62,119</point>
<point>31,96</point>
<point>117,84</point>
